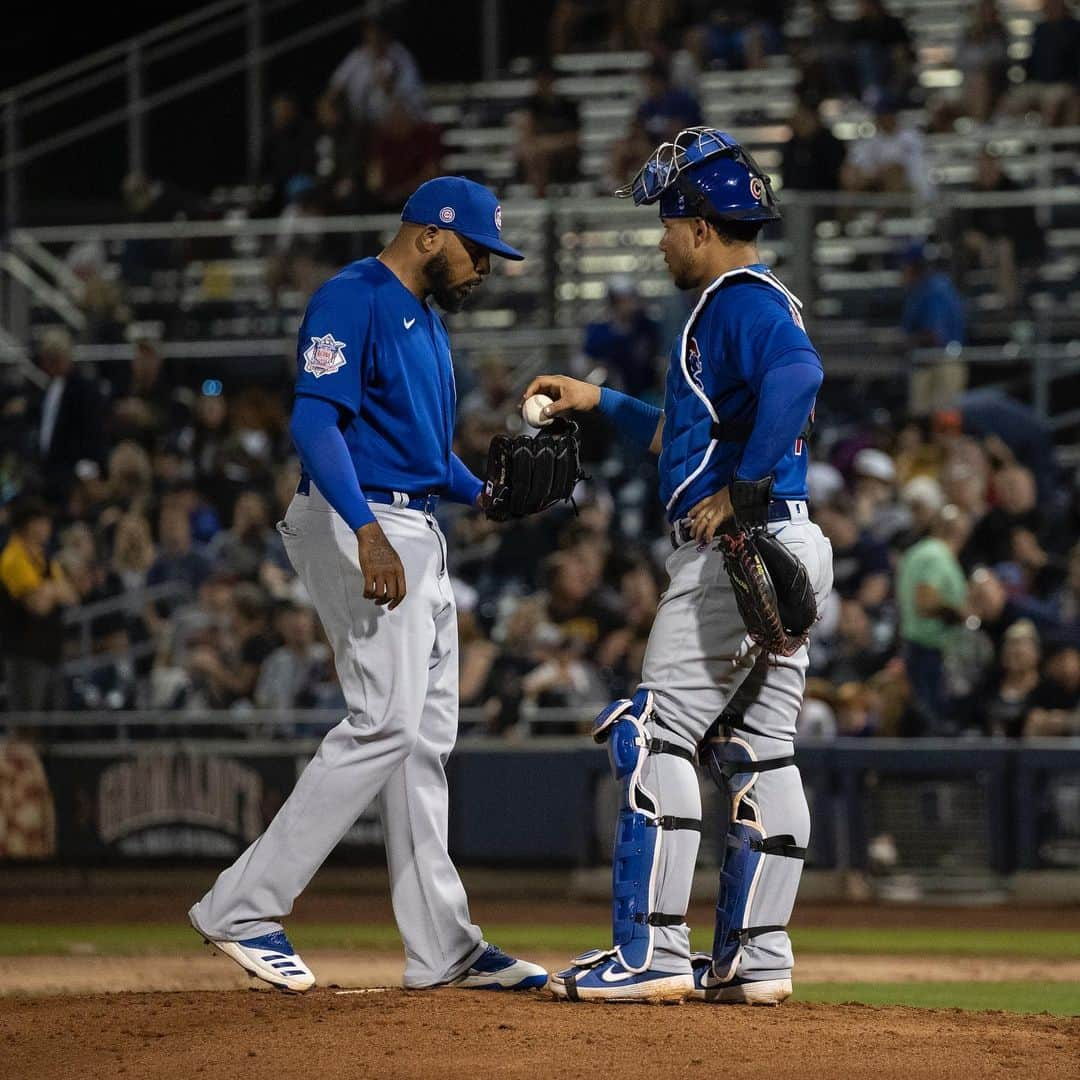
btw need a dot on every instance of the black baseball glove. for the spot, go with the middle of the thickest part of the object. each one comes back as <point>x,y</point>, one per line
<point>772,588</point>
<point>527,474</point>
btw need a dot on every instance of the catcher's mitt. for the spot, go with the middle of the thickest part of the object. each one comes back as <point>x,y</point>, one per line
<point>527,474</point>
<point>772,588</point>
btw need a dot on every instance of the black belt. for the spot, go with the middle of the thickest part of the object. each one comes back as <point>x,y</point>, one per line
<point>680,534</point>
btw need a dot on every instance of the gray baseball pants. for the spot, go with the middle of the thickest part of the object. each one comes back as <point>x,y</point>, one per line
<point>399,675</point>
<point>698,663</point>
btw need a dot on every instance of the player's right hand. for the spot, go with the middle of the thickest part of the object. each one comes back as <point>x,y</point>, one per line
<point>384,576</point>
<point>566,394</point>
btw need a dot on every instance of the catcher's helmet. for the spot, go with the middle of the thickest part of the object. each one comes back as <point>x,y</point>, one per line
<point>704,173</point>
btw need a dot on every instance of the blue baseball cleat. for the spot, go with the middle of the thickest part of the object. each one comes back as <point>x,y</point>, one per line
<point>736,990</point>
<point>598,975</point>
<point>494,970</point>
<point>271,958</point>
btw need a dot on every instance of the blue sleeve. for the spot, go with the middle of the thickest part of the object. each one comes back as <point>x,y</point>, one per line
<point>785,398</point>
<point>325,457</point>
<point>464,486</point>
<point>636,419</point>
<point>766,334</point>
<point>332,345</point>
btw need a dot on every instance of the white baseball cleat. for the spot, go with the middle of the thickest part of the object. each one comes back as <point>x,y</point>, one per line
<point>599,976</point>
<point>736,990</point>
<point>495,970</point>
<point>270,958</point>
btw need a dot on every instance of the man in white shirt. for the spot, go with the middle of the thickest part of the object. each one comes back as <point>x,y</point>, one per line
<point>891,160</point>
<point>374,74</point>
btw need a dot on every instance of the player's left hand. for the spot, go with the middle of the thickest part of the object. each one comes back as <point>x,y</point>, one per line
<point>709,515</point>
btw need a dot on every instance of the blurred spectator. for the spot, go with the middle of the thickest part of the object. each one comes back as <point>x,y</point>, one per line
<point>621,653</point>
<point>813,156</point>
<point>405,151</point>
<point>891,160</point>
<point>744,33</point>
<point>253,639</point>
<point>626,344</point>
<point>493,397</point>
<point>295,674</point>
<point>884,54</point>
<point>129,480</point>
<point>860,563</point>
<point>877,510</point>
<point>374,74</point>
<point>854,717</point>
<point>666,109</point>
<point>575,605</point>
<point>1006,701</point>
<point>339,156</point>
<point>931,594</point>
<point>1012,429</point>
<point>133,551</point>
<point>628,153</point>
<point>100,296</point>
<point>33,593</point>
<point>825,58</point>
<point>145,405</point>
<point>1054,706</point>
<point>982,55</point>
<point>301,259</point>
<point>1005,239</point>
<point>249,541</point>
<point>178,560</point>
<point>288,147</point>
<point>584,24</point>
<point>855,653</point>
<point>933,318</point>
<point>71,415</point>
<point>1013,529</point>
<point>1051,69</point>
<point>548,136</point>
<point>150,201</point>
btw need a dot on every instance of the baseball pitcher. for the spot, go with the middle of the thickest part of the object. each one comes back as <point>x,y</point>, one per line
<point>373,423</point>
<point>725,667</point>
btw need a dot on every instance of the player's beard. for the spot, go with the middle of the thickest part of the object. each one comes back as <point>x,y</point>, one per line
<point>449,297</point>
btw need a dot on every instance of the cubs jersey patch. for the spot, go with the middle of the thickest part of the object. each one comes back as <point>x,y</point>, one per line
<point>324,355</point>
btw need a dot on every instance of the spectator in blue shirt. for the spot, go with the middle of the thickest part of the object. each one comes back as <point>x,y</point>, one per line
<point>666,109</point>
<point>627,342</point>
<point>933,312</point>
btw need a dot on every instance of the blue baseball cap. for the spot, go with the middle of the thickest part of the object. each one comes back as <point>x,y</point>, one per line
<point>462,206</point>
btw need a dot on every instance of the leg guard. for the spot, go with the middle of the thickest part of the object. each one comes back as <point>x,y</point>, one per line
<point>639,831</point>
<point>735,769</point>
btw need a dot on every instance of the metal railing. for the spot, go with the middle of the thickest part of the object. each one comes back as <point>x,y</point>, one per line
<point>128,63</point>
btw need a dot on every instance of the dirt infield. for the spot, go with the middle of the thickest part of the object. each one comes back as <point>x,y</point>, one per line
<point>450,1033</point>
<point>206,970</point>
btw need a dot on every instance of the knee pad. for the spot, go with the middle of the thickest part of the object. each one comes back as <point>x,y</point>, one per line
<point>734,768</point>
<point>639,830</point>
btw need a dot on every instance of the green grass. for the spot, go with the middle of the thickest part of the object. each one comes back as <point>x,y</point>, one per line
<point>1061,999</point>
<point>41,939</point>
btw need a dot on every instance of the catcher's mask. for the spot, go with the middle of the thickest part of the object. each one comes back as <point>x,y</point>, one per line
<point>703,173</point>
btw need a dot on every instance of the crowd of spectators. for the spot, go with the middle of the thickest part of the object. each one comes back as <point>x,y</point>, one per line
<point>956,606</point>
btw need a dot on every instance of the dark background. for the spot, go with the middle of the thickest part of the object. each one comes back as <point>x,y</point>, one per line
<point>201,141</point>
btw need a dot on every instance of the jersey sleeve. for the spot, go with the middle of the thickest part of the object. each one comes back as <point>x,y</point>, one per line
<point>332,346</point>
<point>765,333</point>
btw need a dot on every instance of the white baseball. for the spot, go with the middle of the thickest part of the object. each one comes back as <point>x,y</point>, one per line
<point>533,408</point>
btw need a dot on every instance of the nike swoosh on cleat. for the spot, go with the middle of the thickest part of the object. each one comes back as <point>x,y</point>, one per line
<point>610,976</point>
<point>409,323</point>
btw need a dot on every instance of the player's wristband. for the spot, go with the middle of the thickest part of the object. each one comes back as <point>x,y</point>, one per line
<point>636,419</point>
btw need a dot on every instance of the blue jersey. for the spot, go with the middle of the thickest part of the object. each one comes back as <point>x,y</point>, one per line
<point>744,326</point>
<point>371,347</point>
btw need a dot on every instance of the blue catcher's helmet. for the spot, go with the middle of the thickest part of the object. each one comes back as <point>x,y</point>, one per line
<point>704,173</point>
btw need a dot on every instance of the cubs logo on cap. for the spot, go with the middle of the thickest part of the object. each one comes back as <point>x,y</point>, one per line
<point>462,206</point>
<point>757,188</point>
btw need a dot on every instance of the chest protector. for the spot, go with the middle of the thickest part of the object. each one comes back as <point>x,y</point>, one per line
<point>697,419</point>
